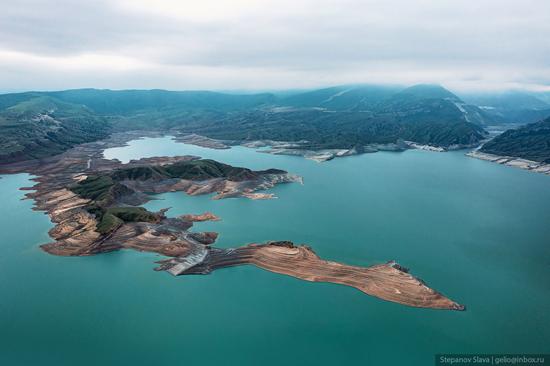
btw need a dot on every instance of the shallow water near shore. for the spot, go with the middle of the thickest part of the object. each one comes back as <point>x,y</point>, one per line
<point>474,230</point>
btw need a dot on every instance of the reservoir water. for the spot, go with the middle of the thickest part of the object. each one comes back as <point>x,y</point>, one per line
<point>477,231</point>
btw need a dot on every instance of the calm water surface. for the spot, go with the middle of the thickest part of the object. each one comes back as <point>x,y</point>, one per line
<point>477,231</point>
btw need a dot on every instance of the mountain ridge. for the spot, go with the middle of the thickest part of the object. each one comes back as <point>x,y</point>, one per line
<point>39,124</point>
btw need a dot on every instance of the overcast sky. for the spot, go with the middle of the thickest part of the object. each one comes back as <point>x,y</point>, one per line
<point>260,45</point>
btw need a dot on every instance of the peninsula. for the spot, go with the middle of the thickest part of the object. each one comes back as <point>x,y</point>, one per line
<point>95,205</point>
<point>527,147</point>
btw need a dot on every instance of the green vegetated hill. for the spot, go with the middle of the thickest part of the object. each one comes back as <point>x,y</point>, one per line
<point>108,189</point>
<point>530,142</point>
<point>325,130</point>
<point>191,170</point>
<point>33,125</point>
<point>425,114</point>
<point>40,124</point>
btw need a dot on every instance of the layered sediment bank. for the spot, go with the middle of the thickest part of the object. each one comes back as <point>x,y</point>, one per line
<point>387,281</point>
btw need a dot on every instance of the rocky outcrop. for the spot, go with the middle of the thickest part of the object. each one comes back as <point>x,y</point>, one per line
<point>207,216</point>
<point>387,281</point>
<point>198,140</point>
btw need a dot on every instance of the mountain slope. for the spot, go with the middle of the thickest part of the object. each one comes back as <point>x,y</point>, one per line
<point>39,124</point>
<point>530,142</point>
<point>422,102</point>
<point>34,126</point>
<point>113,102</point>
<point>341,98</point>
<point>511,100</point>
<point>511,106</point>
<point>434,103</point>
<point>327,130</point>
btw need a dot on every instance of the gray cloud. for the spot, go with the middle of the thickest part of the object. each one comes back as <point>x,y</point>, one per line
<point>483,44</point>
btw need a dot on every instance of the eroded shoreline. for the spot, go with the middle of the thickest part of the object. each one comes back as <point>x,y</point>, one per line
<point>533,166</point>
<point>76,231</point>
<point>300,148</point>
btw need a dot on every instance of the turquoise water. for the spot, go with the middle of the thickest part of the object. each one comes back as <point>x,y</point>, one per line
<point>477,231</point>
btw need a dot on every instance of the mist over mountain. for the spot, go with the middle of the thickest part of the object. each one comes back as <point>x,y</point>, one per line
<point>517,107</point>
<point>43,123</point>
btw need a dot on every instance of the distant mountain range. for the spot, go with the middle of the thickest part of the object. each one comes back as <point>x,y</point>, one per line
<point>38,124</point>
<point>512,106</point>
